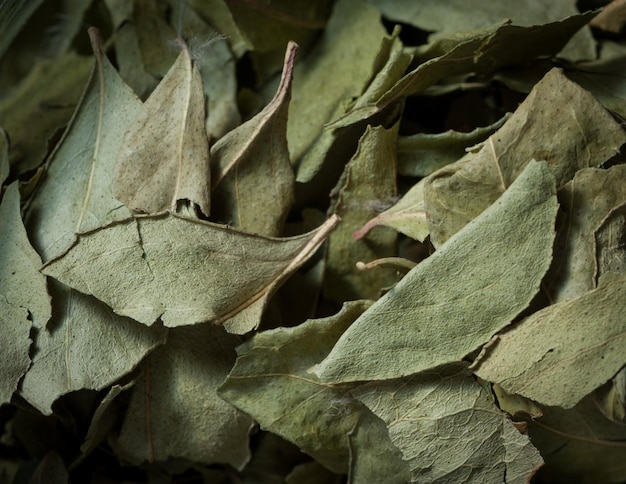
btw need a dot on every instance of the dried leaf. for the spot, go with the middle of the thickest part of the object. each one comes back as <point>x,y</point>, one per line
<point>175,410</point>
<point>184,271</point>
<point>562,353</point>
<point>612,18</point>
<point>4,156</point>
<point>75,193</point>
<point>577,133</point>
<point>23,294</point>
<point>369,181</point>
<point>609,236</point>
<point>164,157</point>
<point>280,394</point>
<point>585,202</point>
<point>251,166</point>
<point>449,430</point>
<point>460,296</point>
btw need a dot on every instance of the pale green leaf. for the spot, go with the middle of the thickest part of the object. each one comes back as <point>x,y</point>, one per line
<point>408,215</point>
<point>609,248</point>
<point>251,166</point>
<point>576,132</point>
<point>270,382</point>
<point>181,270</point>
<point>368,182</point>
<point>23,294</point>
<point>585,202</point>
<point>154,36</point>
<point>449,430</point>
<point>164,155</point>
<point>421,154</point>
<point>175,410</point>
<point>337,70</point>
<point>75,193</point>
<point>459,297</point>
<point>563,352</point>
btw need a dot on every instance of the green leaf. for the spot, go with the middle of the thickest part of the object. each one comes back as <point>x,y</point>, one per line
<point>579,133</point>
<point>562,353</point>
<point>610,255</point>
<point>448,428</point>
<point>23,297</point>
<point>184,271</point>
<point>270,382</point>
<point>460,296</point>
<point>585,202</point>
<point>251,166</point>
<point>369,181</point>
<point>175,410</point>
<point>164,156</point>
<point>75,193</point>
<point>579,444</point>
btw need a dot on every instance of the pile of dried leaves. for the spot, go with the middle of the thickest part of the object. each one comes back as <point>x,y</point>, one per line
<point>394,253</point>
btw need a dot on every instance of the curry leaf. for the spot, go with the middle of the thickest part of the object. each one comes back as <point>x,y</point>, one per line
<point>164,157</point>
<point>456,299</point>
<point>184,271</point>
<point>448,428</point>
<point>251,165</point>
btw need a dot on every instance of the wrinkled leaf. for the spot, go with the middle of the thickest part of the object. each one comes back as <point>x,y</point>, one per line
<point>23,294</point>
<point>75,193</point>
<point>585,202</point>
<point>41,105</point>
<point>175,410</point>
<point>183,271</point>
<point>562,353</point>
<point>579,445</point>
<point>460,296</point>
<point>251,166</point>
<point>164,156</point>
<point>577,133</point>
<point>609,248</point>
<point>369,181</point>
<point>408,216</point>
<point>272,369</point>
<point>449,430</point>
<point>422,154</point>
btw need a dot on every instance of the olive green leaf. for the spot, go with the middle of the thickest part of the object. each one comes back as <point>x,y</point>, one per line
<point>13,16</point>
<point>164,156</point>
<point>563,352</point>
<point>459,297</point>
<point>5,168</point>
<point>23,294</point>
<point>42,104</point>
<point>270,382</point>
<point>448,428</point>
<point>250,166</point>
<point>75,193</point>
<point>610,255</point>
<point>422,154</point>
<point>576,132</point>
<point>184,271</point>
<point>337,70</point>
<point>369,181</point>
<point>175,410</point>
<point>449,17</point>
<point>579,444</point>
<point>408,216</point>
<point>611,398</point>
<point>585,202</point>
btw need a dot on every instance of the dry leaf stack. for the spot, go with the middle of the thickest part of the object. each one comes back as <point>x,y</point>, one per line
<point>290,241</point>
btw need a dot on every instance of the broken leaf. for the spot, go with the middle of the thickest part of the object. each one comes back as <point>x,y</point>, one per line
<point>164,156</point>
<point>272,368</point>
<point>175,411</point>
<point>609,236</point>
<point>563,352</point>
<point>369,181</point>
<point>75,193</point>
<point>251,166</point>
<point>448,428</point>
<point>23,294</point>
<point>184,271</point>
<point>578,132</point>
<point>456,299</point>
